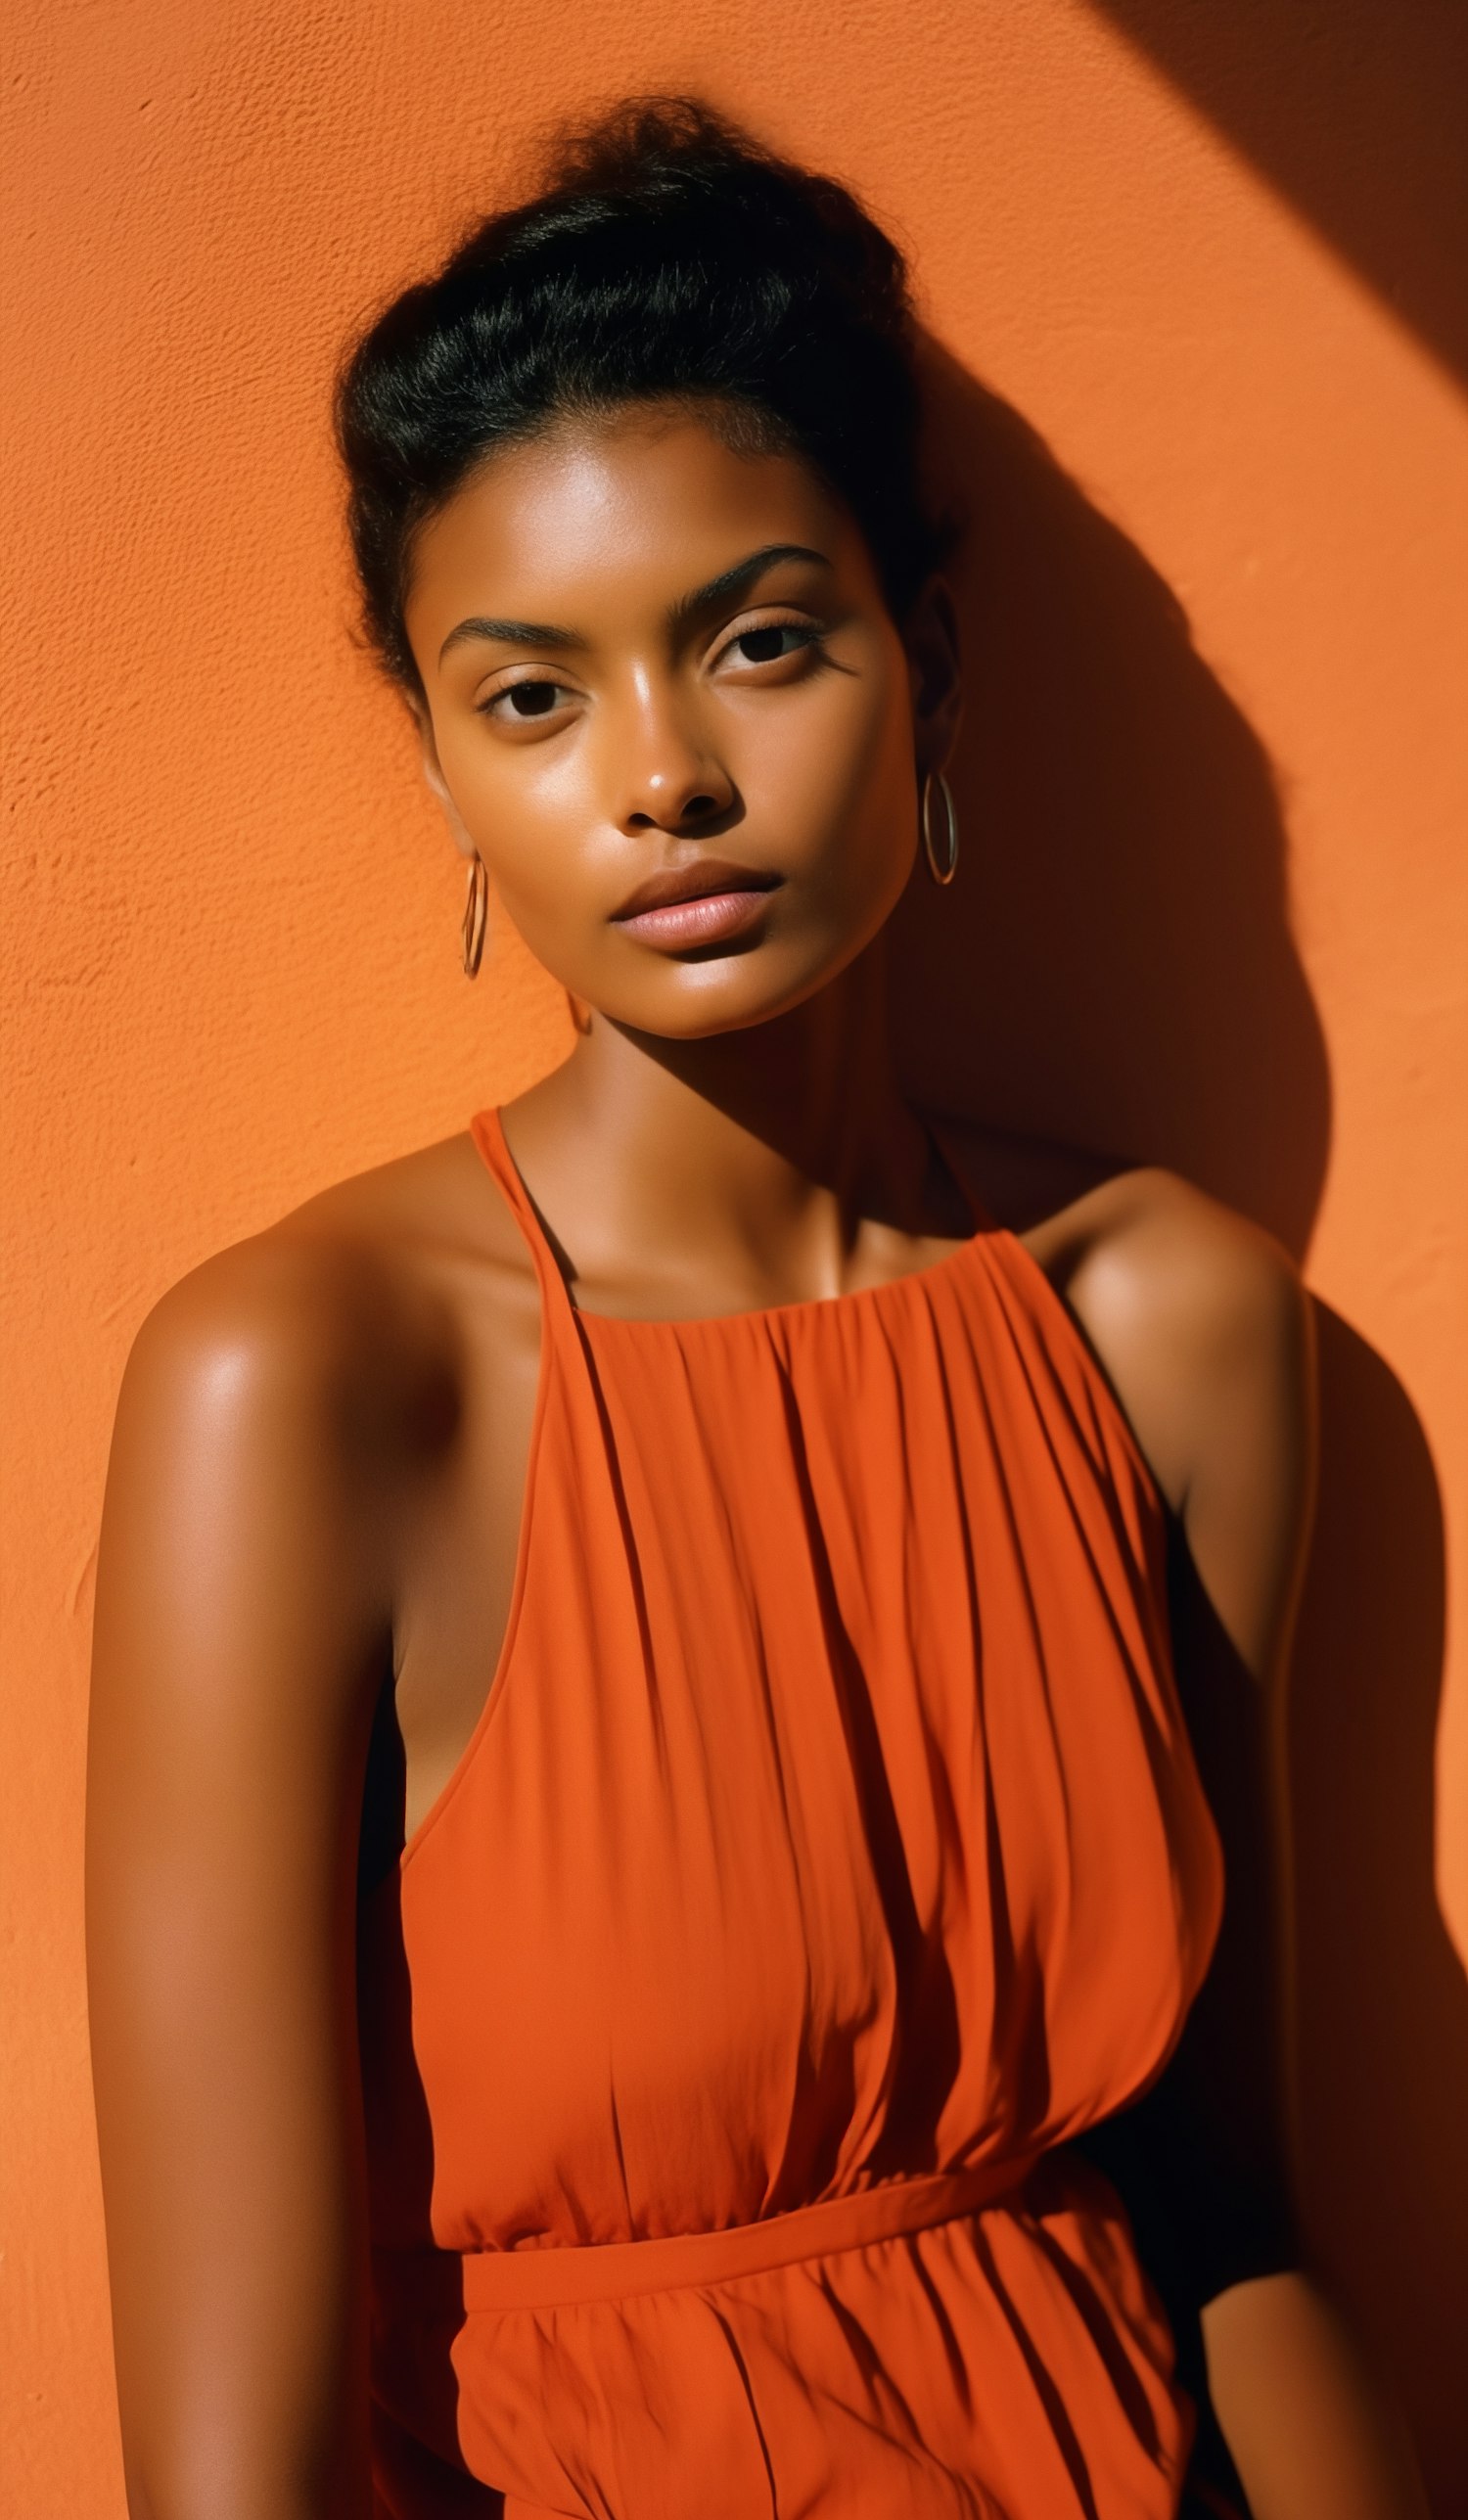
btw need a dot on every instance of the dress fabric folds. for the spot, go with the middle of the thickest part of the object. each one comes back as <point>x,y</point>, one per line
<point>828,1854</point>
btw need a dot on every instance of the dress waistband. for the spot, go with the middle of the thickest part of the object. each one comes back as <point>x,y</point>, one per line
<point>552,2279</point>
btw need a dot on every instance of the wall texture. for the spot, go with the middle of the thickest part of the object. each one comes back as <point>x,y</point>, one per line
<point>1217,482</point>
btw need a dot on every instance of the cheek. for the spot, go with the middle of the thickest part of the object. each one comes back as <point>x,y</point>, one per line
<point>528,810</point>
<point>848,781</point>
<point>827,786</point>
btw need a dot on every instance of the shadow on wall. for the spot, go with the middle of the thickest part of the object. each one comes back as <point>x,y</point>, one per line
<point>1382,2004</point>
<point>1352,109</point>
<point>1114,968</point>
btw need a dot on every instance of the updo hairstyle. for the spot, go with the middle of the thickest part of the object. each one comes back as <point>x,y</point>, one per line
<point>668,258</point>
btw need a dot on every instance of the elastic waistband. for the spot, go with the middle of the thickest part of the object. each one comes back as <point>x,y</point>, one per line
<point>552,2279</point>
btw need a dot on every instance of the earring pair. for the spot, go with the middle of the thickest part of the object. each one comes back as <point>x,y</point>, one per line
<point>941,857</point>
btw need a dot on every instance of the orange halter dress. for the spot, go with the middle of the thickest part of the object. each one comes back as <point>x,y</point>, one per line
<point>829,1852</point>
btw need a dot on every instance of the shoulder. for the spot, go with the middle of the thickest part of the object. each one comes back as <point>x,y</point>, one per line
<point>1179,1293</point>
<point>1200,1321</point>
<point>1196,1315</point>
<point>282,1321</point>
<point>327,1333</point>
<point>1137,1250</point>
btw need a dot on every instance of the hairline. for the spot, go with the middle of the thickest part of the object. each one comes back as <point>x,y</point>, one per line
<point>764,433</point>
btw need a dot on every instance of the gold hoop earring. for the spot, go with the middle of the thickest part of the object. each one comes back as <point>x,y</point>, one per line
<point>476,915</point>
<point>943,869</point>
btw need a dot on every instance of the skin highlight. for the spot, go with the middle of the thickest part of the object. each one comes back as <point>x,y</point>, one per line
<point>313,1501</point>
<point>774,717</point>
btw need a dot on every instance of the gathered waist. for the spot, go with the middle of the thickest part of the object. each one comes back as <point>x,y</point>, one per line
<point>561,2276</point>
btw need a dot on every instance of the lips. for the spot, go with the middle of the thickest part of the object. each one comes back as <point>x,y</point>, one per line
<point>706,903</point>
<point>707,874</point>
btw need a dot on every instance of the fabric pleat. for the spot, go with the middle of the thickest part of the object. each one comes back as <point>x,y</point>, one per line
<point>830,1840</point>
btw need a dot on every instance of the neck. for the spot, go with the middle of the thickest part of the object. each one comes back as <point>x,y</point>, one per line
<point>749,1126</point>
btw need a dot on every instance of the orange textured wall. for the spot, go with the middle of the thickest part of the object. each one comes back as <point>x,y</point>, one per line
<point>231,921</point>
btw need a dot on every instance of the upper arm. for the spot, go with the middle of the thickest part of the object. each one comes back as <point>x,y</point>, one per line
<point>240,1625</point>
<point>1206,1331</point>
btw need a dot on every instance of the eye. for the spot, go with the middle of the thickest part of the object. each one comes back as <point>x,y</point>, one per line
<point>768,643</point>
<point>761,647</point>
<point>519,704</point>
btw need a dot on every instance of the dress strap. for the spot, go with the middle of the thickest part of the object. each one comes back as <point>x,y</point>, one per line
<point>487,1131</point>
<point>946,1139</point>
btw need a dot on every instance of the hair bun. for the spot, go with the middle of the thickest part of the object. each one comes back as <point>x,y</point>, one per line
<point>667,255</point>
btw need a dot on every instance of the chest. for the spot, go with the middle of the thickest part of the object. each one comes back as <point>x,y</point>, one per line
<point>829,1761</point>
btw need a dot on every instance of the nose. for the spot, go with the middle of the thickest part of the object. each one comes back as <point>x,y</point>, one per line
<point>668,779</point>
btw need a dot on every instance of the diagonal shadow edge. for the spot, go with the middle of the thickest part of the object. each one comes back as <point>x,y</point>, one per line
<point>1352,112</point>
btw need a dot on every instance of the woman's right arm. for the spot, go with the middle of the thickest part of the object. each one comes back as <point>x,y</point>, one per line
<point>242,1631</point>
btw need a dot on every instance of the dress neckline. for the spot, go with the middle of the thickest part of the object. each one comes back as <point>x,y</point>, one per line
<point>488,1132</point>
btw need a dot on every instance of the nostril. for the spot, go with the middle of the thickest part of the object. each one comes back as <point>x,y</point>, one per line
<point>678,816</point>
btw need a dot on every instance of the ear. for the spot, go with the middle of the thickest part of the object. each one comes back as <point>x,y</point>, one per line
<point>930,635</point>
<point>434,773</point>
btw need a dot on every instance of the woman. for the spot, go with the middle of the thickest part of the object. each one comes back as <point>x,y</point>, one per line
<point>672,1581</point>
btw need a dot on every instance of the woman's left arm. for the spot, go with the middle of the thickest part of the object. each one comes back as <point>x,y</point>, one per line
<point>1208,1335</point>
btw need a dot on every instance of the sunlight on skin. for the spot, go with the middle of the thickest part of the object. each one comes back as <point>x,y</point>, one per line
<point>655,732</point>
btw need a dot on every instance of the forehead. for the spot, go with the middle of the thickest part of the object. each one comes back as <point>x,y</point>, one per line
<point>613,517</point>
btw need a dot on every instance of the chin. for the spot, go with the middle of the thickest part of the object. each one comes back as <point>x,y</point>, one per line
<point>726,993</point>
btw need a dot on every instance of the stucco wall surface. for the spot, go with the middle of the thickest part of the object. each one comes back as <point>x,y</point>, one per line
<point>230,932</point>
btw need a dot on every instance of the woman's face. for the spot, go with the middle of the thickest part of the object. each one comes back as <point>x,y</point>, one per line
<point>655,667</point>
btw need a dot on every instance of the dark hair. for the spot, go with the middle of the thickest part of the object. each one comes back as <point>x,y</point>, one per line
<point>670,258</point>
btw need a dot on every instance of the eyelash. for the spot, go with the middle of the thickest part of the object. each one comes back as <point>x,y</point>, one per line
<point>809,636</point>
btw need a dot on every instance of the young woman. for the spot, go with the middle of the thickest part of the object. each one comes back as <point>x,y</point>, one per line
<point>641,1807</point>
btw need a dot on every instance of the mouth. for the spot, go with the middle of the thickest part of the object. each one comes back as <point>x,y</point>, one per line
<point>696,905</point>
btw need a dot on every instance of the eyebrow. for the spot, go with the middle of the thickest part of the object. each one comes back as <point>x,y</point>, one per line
<point>729,580</point>
<point>548,634</point>
<point>512,634</point>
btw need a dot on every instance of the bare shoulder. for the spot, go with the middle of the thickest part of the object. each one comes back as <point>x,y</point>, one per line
<point>1135,1241</point>
<point>332,1333</point>
<point>1203,1328</point>
<point>1146,1258</point>
<point>1197,1315</point>
<point>1200,1323</point>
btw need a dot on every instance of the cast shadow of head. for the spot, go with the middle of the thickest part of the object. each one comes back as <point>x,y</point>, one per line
<point>1114,968</point>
